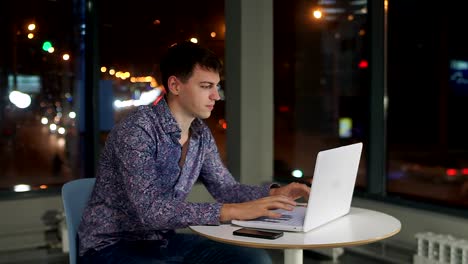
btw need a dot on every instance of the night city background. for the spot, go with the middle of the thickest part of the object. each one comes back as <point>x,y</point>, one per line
<point>321,85</point>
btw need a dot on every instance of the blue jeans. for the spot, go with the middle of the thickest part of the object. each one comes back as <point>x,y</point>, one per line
<point>181,248</point>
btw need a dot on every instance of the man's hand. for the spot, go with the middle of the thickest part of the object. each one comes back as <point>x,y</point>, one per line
<point>256,208</point>
<point>293,190</point>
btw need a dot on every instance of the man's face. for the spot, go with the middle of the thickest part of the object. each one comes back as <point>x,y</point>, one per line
<point>199,93</point>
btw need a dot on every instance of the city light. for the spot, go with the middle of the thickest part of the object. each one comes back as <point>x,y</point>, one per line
<point>22,188</point>
<point>31,26</point>
<point>363,64</point>
<point>194,40</point>
<point>111,71</point>
<point>213,34</point>
<point>44,121</point>
<point>46,45</point>
<point>66,57</point>
<point>146,98</point>
<point>30,36</point>
<point>61,130</point>
<point>21,100</point>
<point>345,127</point>
<point>72,115</point>
<point>297,173</point>
<point>103,69</point>
<point>317,14</point>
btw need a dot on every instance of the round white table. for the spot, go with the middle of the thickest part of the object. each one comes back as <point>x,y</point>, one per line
<point>360,226</point>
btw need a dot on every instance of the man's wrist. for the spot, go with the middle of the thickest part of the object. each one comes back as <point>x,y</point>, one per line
<point>273,188</point>
<point>226,213</point>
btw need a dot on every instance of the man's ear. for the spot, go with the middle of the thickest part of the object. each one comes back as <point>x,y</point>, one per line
<point>173,85</point>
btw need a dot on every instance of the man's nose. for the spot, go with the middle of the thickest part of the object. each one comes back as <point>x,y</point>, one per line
<point>215,95</point>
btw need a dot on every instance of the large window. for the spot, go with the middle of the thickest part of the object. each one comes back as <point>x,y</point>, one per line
<point>38,58</point>
<point>66,63</point>
<point>321,82</point>
<point>327,93</point>
<point>427,96</point>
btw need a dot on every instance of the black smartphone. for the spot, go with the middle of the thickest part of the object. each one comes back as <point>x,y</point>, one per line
<point>249,232</point>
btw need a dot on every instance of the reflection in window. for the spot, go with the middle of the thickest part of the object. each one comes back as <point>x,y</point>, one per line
<point>321,82</point>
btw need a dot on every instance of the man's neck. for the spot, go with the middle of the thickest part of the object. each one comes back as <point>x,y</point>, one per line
<point>183,120</point>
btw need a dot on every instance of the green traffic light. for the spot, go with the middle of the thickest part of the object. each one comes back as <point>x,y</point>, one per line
<point>46,46</point>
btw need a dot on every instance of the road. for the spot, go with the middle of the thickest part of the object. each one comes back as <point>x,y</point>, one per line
<point>31,154</point>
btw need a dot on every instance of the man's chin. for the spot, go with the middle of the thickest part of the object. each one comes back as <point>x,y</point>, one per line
<point>204,115</point>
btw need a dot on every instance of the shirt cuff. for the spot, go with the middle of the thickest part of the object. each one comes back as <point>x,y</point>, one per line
<point>216,214</point>
<point>274,185</point>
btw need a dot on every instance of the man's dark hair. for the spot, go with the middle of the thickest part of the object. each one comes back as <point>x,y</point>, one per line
<point>181,59</point>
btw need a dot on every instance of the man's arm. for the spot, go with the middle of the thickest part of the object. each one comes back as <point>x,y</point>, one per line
<point>219,181</point>
<point>245,201</point>
<point>134,151</point>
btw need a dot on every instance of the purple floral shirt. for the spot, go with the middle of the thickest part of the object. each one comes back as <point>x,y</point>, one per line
<point>140,188</point>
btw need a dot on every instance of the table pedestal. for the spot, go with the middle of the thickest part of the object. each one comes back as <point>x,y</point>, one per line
<point>293,256</point>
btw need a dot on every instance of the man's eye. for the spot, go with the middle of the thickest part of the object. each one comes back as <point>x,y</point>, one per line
<point>206,86</point>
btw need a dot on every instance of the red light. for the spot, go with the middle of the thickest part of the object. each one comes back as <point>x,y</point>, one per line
<point>363,64</point>
<point>284,108</point>
<point>465,171</point>
<point>451,172</point>
<point>223,123</point>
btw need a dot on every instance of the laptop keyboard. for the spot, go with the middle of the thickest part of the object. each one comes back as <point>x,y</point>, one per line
<point>294,218</point>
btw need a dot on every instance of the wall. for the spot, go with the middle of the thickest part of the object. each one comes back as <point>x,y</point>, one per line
<point>21,225</point>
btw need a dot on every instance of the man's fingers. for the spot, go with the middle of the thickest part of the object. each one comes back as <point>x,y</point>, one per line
<point>279,205</point>
<point>300,190</point>
<point>273,214</point>
<point>282,199</point>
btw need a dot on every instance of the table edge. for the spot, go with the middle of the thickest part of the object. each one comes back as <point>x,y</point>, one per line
<point>265,245</point>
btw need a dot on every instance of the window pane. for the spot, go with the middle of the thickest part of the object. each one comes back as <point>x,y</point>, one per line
<point>37,104</point>
<point>131,37</point>
<point>428,92</point>
<point>321,82</point>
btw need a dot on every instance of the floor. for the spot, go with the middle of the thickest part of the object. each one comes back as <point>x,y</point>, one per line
<point>48,256</point>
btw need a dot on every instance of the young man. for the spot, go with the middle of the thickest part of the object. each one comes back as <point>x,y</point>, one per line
<point>148,167</point>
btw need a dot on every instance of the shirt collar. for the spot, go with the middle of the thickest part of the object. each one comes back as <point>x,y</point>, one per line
<point>168,122</point>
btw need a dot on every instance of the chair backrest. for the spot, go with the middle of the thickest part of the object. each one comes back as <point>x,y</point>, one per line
<point>75,196</point>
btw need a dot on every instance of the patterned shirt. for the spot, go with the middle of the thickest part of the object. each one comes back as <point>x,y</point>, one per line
<point>140,188</point>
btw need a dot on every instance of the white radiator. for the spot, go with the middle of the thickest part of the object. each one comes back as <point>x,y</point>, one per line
<point>440,249</point>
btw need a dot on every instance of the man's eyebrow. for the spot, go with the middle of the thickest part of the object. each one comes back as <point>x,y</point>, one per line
<point>207,82</point>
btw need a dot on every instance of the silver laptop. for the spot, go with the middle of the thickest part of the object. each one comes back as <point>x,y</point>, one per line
<point>331,193</point>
